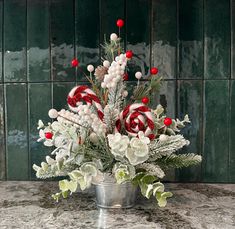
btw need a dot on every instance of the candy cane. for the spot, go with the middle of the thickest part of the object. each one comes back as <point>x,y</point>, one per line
<point>80,94</point>
<point>134,118</point>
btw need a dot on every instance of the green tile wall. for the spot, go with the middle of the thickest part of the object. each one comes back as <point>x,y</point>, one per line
<point>191,42</point>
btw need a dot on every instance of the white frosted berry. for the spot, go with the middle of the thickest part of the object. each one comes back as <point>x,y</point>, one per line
<point>125,93</point>
<point>106,63</point>
<point>163,137</point>
<point>90,68</point>
<point>113,37</point>
<point>53,113</point>
<point>138,75</point>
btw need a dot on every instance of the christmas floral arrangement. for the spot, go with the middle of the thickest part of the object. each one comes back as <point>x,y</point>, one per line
<point>108,134</point>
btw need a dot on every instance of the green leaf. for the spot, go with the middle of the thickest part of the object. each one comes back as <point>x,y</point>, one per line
<point>161,198</point>
<point>148,179</point>
<point>137,178</point>
<point>72,186</point>
<point>89,168</point>
<point>63,185</point>
<point>76,174</point>
<point>65,194</point>
<point>56,196</point>
<point>158,187</point>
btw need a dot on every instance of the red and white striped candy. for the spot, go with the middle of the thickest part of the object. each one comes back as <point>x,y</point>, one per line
<point>136,117</point>
<point>80,94</point>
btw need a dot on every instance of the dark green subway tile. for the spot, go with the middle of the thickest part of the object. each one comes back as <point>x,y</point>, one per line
<point>2,137</point>
<point>16,131</point>
<point>164,37</point>
<point>1,32</point>
<point>111,11</point>
<point>233,39</point>
<point>138,36</point>
<point>87,34</point>
<point>15,40</point>
<point>39,105</point>
<point>191,39</point>
<point>216,131</point>
<point>38,40</point>
<point>190,102</point>
<point>232,131</point>
<point>62,39</point>
<point>217,39</point>
<point>60,93</point>
<point>166,97</point>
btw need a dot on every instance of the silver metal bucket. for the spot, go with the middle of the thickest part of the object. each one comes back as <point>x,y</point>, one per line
<point>113,195</point>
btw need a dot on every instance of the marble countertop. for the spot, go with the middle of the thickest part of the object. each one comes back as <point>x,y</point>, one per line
<point>29,205</point>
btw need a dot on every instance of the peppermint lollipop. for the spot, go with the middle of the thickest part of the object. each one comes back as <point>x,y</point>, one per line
<point>136,117</point>
<point>80,94</point>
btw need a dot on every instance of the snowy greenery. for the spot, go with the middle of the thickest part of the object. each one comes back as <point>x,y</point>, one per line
<point>86,147</point>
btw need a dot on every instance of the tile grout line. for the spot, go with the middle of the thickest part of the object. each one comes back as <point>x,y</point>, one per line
<point>4,98</point>
<point>230,88</point>
<point>203,93</point>
<point>27,92</point>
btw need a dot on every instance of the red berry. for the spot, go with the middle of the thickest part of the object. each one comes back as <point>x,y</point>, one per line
<point>145,100</point>
<point>74,63</point>
<point>129,54</point>
<point>153,71</point>
<point>125,77</point>
<point>167,121</point>
<point>120,23</point>
<point>48,135</point>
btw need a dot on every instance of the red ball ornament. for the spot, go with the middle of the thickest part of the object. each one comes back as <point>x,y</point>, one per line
<point>129,54</point>
<point>153,71</point>
<point>125,77</point>
<point>74,63</point>
<point>48,135</point>
<point>145,100</point>
<point>120,23</point>
<point>167,121</point>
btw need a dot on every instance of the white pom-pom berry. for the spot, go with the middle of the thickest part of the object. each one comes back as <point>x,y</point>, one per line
<point>113,37</point>
<point>90,68</point>
<point>125,93</point>
<point>53,113</point>
<point>106,63</point>
<point>163,137</point>
<point>138,75</point>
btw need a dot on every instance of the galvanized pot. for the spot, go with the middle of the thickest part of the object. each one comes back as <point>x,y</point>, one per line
<point>113,195</point>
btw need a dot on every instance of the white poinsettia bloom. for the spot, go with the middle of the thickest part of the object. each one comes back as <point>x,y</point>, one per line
<point>143,138</point>
<point>138,152</point>
<point>118,144</point>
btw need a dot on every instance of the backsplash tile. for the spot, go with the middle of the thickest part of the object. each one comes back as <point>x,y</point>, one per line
<point>16,107</point>
<point>191,43</point>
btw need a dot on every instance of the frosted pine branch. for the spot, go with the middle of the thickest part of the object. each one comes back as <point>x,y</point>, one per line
<point>115,95</point>
<point>153,170</point>
<point>164,148</point>
<point>110,117</point>
<point>179,161</point>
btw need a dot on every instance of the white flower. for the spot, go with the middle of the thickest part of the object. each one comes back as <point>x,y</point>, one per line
<point>123,172</point>
<point>118,144</point>
<point>143,138</point>
<point>138,152</point>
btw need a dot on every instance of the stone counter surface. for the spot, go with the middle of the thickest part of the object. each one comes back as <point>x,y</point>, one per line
<point>29,205</point>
